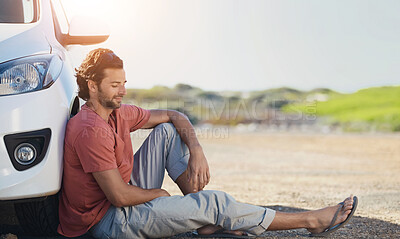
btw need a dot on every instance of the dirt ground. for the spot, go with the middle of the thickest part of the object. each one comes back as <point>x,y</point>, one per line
<point>310,171</point>
<point>307,171</point>
<point>300,171</point>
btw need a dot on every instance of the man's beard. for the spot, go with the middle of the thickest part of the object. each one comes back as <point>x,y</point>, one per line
<point>108,103</point>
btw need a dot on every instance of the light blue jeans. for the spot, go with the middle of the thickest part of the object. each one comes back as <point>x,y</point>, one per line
<point>168,216</point>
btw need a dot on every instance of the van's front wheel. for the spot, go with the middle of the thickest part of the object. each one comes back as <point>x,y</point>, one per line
<point>39,218</point>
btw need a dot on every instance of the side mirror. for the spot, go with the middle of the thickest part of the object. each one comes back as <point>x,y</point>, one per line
<point>85,30</point>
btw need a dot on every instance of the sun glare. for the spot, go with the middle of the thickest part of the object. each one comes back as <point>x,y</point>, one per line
<point>93,8</point>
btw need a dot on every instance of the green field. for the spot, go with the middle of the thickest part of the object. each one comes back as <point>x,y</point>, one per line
<point>378,108</point>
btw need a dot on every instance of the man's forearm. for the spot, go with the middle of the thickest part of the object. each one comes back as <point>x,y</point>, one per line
<point>198,173</point>
<point>134,195</point>
<point>121,194</point>
<point>185,130</point>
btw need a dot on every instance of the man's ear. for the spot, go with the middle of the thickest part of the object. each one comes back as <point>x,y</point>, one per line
<point>92,86</point>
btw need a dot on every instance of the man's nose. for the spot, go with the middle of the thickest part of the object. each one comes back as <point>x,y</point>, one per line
<point>122,90</point>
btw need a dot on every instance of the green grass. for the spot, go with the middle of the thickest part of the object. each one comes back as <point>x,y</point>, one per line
<point>373,108</point>
<point>379,107</point>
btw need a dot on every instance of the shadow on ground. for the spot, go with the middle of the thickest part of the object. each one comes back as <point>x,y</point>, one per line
<point>358,227</point>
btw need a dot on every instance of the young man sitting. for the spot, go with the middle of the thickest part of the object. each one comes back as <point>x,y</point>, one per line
<point>113,193</point>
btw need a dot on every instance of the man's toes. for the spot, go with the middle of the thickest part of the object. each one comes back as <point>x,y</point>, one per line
<point>349,203</point>
<point>347,208</point>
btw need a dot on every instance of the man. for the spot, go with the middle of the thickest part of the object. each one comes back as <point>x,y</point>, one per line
<point>114,194</point>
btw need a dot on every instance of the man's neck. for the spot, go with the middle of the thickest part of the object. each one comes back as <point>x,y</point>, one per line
<point>99,109</point>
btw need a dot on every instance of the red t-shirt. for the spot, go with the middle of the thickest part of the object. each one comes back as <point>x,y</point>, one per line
<point>91,145</point>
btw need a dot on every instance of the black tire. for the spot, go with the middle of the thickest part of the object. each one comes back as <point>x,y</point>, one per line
<point>39,218</point>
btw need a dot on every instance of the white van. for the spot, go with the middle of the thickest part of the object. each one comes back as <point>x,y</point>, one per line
<point>37,97</point>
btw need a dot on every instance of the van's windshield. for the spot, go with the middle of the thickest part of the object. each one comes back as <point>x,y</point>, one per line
<point>18,11</point>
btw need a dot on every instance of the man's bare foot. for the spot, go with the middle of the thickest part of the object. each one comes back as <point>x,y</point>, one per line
<point>210,229</point>
<point>322,218</point>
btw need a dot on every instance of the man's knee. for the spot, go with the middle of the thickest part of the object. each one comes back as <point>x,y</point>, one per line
<point>165,129</point>
<point>169,127</point>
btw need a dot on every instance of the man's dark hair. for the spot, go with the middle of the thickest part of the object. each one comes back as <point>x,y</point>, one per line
<point>92,68</point>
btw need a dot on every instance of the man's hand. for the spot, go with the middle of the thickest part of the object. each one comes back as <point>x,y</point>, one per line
<point>198,171</point>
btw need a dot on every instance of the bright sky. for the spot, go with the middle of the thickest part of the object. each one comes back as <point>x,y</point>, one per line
<point>344,45</point>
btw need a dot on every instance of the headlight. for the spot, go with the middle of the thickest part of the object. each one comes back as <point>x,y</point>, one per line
<point>29,74</point>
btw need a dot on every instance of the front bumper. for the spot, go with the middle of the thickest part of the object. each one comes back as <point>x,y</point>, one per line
<point>44,109</point>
